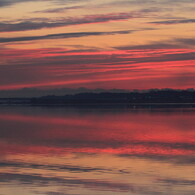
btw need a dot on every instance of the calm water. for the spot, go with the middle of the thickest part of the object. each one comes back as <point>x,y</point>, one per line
<point>72,151</point>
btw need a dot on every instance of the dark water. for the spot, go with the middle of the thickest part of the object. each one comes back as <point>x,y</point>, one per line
<point>72,151</point>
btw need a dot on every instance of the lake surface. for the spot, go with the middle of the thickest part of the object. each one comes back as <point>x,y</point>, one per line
<point>97,151</point>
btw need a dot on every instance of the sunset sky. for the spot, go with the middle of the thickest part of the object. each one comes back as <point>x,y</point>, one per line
<point>124,44</point>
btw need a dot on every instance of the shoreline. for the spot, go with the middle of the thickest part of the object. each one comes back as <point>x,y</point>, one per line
<point>109,105</point>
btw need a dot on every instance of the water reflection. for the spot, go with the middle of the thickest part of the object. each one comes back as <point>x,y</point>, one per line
<point>96,151</point>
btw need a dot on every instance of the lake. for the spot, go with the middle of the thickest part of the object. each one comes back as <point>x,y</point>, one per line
<point>97,151</point>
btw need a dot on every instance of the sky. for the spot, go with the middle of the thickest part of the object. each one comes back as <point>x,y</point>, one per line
<point>122,44</point>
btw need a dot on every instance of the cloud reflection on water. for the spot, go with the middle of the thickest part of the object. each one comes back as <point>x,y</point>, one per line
<point>101,150</point>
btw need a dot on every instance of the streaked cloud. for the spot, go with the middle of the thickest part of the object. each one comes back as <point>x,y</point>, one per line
<point>37,52</point>
<point>187,41</point>
<point>61,9</point>
<point>12,2</point>
<point>45,23</point>
<point>180,21</point>
<point>4,3</point>
<point>57,67</point>
<point>61,36</point>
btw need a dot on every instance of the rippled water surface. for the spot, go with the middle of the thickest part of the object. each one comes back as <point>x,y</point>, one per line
<point>100,151</point>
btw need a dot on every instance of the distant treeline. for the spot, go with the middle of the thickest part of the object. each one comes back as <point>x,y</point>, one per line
<point>136,97</point>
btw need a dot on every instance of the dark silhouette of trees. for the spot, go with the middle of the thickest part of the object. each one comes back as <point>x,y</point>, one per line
<point>152,96</point>
<point>135,97</point>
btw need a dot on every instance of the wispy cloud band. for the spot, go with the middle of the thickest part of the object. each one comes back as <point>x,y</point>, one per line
<point>167,22</point>
<point>34,24</point>
<point>61,36</point>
